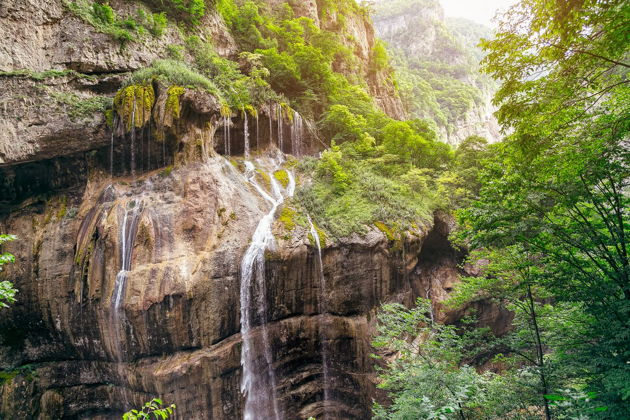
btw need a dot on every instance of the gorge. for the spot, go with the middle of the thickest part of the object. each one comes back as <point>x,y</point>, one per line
<point>215,200</point>
<point>138,229</point>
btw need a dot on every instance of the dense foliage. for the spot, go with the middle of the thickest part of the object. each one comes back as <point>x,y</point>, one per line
<point>551,217</point>
<point>378,170</point>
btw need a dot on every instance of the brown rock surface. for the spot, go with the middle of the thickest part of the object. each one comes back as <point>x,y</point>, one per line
<point>178,332</point>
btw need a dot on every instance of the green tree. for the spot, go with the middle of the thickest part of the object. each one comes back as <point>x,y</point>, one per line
<point>542,330</point>
<point>424,372</point>
<point>7,292</point>
<point>558,187</point>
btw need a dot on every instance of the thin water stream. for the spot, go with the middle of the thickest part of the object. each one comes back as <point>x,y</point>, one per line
<point>323,310</point>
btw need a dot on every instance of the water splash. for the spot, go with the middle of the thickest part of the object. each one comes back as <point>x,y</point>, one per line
<point>259,384</point>
<point>323,310</point>
<point>297,134</point>
<point>246,134</point>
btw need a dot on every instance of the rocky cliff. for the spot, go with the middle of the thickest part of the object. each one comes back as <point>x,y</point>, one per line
<point>132,236</point>
<point>437,60</point>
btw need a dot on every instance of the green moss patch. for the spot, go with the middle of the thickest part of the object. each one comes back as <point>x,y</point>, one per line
<point>389,233</point>
<point>282,176</point>
<point>134,104</point>
<point>287,218</point>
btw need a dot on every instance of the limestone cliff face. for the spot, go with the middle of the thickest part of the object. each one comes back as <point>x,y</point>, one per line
<point>79,344</point>
<point>177,334</point>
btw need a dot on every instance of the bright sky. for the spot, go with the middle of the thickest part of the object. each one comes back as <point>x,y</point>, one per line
<point>481,11</point>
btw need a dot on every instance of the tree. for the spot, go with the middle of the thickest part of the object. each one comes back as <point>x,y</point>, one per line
<point>152,409</point>
<point>541,329</point>
<point>558,186</point>
<point>424,373</point>
<point>7,292</point>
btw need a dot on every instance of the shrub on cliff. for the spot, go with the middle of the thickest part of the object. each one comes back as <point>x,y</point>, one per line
<point>173,72</point>
<point>151,410</point>
<point>7,292</point>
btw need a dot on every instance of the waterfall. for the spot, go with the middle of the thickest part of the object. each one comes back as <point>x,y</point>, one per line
<point>323,310</point>
<point>227,123</point>
<point>257,132</point>
<point>111,150</point>
<point>229,132</point>
<point>271,110</point>
<point>246,135</point>
<point>133,138</point>
<point>280,128</point>
<point>149,141</point>
<point>126,237</point>
<point>259,385</point>
<point>297,130</point>
<point>163,150</point>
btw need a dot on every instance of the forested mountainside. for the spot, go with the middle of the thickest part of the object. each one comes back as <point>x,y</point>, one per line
<point>437,61</point>
<point>226,209</point>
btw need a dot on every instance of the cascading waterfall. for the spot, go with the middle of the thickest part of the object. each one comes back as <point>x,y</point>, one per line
<point>126,238</point>
<point>271,111</point>
<point>297,130</point>
<point>259,385</point>
<point>323,310</point>
<point>246,134</point>
<point>229,134</point>
<point>149,141</point>
<point>164,151</point>
<point>227,124</point>
<point>111,150</point>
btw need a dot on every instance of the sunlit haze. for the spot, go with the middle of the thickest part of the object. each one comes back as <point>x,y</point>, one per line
<point>481,11</point>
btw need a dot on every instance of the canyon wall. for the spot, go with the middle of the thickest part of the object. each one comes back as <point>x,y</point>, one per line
<point>440,58</point>
<point>129,249</point>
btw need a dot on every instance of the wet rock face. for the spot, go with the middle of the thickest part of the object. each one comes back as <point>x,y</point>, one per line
<point>177,334</point>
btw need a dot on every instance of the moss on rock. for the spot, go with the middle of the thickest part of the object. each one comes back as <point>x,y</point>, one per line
<point>134,104</point>
<point>287,218</point>
<point>389,233</point>
<point>173,105</point>
<point>282,176</point>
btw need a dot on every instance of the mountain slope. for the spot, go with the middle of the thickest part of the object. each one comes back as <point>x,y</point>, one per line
<point>437,65</point>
